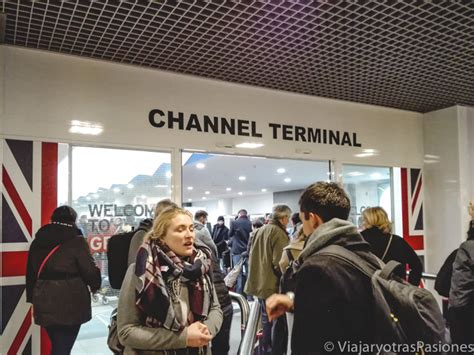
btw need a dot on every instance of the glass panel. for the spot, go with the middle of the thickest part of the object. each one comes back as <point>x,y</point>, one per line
<point>367,186</point>
<point>224,184</point>
<point>112,191</point>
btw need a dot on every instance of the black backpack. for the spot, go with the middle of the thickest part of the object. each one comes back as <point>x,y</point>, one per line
<point>443,279</point>
<point>404,314</point>
<point>288,279</point>
<point>117,255</point>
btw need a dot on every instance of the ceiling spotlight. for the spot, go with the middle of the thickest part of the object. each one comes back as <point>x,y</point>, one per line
<point>228,189</point>
<point>200,165</point>
<point>130,186</point>
<point>143,196</point>
<point>240,193</point>
<point>190,199</point>
<point>287,180</point>
<point>207,192</point>
<point>249,145</point>
<point>264,190</point>
<point>281,170</point>
<point>242,178</point>
<point>116,189</point>
<point>190,188</point>
<point>204,197</point>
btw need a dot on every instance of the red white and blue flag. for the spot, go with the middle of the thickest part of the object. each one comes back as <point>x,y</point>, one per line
<point>412,207</point>
<point>29,195</point>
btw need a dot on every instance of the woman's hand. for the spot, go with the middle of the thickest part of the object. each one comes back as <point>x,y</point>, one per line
<point>198,335</point>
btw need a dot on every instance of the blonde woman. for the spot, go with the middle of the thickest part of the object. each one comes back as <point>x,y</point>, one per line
<point>388,246</point>
<point>167,303</point>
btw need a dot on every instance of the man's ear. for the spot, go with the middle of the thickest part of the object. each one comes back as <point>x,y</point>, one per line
<point>316,220</point>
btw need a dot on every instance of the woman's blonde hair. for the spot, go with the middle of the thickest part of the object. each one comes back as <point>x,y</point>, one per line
<point>163,221</point>
<point>377,217</point>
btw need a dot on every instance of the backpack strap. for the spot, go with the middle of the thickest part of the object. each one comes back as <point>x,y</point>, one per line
<point>46,259</point>
<point>348,256</point>
<point>389,268</point>
<point>388,247</point>
<point>290,255</point>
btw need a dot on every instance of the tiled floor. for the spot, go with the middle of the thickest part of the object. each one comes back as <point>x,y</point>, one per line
<point>92,338</point>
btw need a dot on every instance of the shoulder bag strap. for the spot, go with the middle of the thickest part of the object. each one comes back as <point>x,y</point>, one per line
<point>388,247</point>
<point>46,259</point>
<point>290,255</point>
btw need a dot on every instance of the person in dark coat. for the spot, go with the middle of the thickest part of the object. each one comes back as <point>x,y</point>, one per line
<point>239,237</point>
<point>60,293</point>
<point>220,236</point>
<point>332,301</point>
<point>461,295</point>
<point>388,246</point>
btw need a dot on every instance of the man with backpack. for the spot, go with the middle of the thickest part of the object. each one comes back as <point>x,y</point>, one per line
<point>340,297</point>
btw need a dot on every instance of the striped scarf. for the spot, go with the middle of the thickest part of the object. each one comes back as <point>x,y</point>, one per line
<point>162,274</point>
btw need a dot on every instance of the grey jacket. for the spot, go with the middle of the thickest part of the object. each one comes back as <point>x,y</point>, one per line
<point>462,281</point>
<point>203,237</point>
<point>139,339</point>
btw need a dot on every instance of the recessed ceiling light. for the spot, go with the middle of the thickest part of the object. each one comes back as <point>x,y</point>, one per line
<point>116,189</point>
<point>242,178</point>
<point>168,174</point>
<point>240,193</point>
<point>204,197</point>
<point>207,192</point>
<point>281,170</point>
<point>130,186</point>
<point>264,190</point>
<point>190,187</point>
<point>200,165</point>
<point>287,180</point>
<point>228,189</point>
<point>143,196</point>
<point>248,145</point>
<point>190,199</point>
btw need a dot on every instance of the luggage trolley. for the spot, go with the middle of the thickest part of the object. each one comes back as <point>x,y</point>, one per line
<point>106,291</point>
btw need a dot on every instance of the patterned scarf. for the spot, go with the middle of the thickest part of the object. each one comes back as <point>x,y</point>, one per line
<point>162,274</point>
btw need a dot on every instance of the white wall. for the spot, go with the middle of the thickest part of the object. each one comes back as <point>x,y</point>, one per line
<point>45,91</point>
<point>448,178</point>
<point>257,204</point>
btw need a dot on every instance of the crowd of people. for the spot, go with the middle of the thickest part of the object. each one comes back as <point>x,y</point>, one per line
<point>174,297</point>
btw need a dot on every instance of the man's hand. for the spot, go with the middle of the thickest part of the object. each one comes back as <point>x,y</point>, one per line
<point>278,305</point>
<point>198,335</point>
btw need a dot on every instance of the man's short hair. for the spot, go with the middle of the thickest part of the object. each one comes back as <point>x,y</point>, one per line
<point>200,214</point>
<point>165,203</point>
<point>280,211</point>
<point>242,212</point>
<point>326,199</point>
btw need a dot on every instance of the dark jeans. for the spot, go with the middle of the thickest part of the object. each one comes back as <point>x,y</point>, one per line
<point>266,344</point>
<point>461,325</point>
<point>239,288</point>
<point>220,343</point>
<point>62,338</point>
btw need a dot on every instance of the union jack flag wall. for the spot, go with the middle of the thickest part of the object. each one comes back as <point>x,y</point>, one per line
<point>412,207</point>
<point>29,195</point>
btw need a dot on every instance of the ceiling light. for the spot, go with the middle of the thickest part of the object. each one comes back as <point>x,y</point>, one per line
<point>200,165</point>
<point>190,199</point>
<point>95,195</point>
<point>161,185</point>
<point>204,197</point>
<point>264,190</point>
<point>281,170</point>
<point>83,127</point>
<point>363,155</point>
<point>143,196</point>
<point>207,192</point>
<point>116,189</point>
<point>190,188</point>
<point>355,173</point>
<point>242,178</point>
<point>168,174</point>
<point>130,186</point>
<point>228,189</point>
<point>248,145</point>
<point>287,180</point>
<point>240,193</point>
<point>88,198</point>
